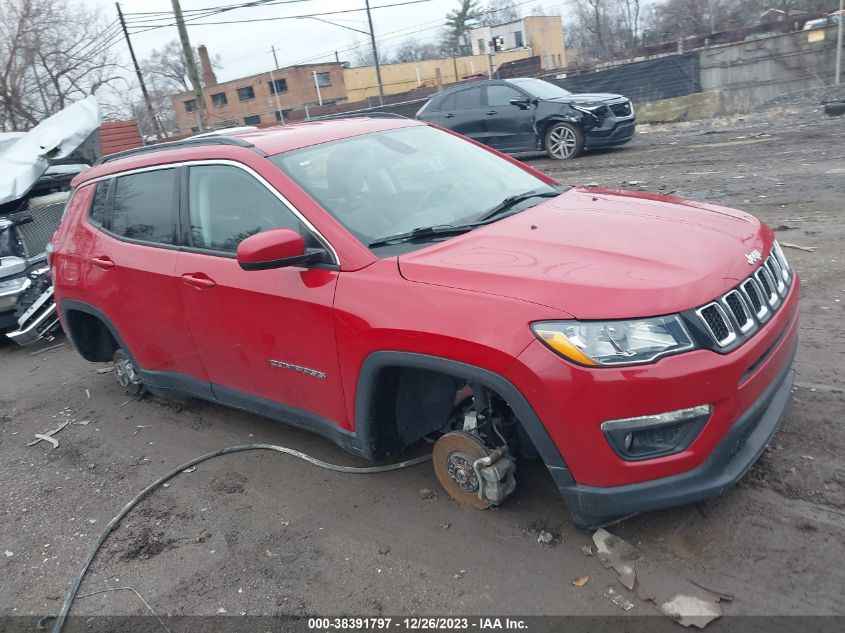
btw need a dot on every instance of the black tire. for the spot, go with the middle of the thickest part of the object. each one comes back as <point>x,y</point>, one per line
<point>563,141</point>
<point>835,109</point>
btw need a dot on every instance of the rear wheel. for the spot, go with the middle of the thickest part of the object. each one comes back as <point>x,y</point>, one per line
<point>126,373</point>
<point>564,141</point>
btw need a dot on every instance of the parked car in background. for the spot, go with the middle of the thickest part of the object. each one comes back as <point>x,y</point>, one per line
<point>380,280</point>
<point>525,115</point>
<point>36,169</point>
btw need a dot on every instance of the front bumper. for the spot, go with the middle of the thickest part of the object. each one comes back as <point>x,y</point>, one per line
<point>747,387</point>
<point>741,446</point>
<point>611,132</point>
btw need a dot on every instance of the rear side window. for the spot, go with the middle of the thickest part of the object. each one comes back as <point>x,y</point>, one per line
<point>227,205</point>
<point>467,99</point>
<point>447,103</point>
<point>98,204</point>
<point>144,206</point>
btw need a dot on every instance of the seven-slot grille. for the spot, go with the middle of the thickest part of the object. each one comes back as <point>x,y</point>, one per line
<point>743,309</point>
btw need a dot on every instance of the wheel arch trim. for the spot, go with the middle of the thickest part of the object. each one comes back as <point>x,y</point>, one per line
<point>377,361</point>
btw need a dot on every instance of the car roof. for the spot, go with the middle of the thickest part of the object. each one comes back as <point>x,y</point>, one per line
<point>266,141</point>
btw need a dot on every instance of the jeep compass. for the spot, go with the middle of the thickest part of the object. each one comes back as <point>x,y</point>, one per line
<point>379,281</point>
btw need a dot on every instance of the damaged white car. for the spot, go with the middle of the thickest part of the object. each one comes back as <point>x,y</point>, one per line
<point>36,169</point>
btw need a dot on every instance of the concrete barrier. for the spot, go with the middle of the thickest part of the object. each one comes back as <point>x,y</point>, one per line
<point>700,105</point>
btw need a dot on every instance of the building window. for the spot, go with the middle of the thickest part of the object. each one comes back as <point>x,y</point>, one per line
<point>283,115</point>
<point>323,79</point>
<point>278,85</point>
<point>245,94</point>
<point>191,105</point>
<point>517,39</point>
<point>482,46</point>
<point>252,119</point>
<point>219,99</point>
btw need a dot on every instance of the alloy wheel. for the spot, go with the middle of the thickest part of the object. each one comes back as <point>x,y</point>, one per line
<point>562,142</point>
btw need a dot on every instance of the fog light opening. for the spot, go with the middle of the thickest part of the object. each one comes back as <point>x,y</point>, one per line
<point>649,436</point>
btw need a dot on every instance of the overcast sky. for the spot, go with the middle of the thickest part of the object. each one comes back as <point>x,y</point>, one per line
<point>244,48</point>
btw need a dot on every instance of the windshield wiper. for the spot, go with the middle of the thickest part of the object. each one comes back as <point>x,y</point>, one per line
<point>422,231</point>
<point>512,201</point>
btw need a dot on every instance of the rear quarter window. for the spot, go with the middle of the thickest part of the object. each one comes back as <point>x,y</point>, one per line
<point>144,205</point>
<point>99,200</point>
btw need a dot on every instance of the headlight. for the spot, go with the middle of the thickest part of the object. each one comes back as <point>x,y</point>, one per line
<point>597,343</point>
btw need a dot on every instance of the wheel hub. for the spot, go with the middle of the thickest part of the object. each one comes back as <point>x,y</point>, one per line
<point>461,472</point>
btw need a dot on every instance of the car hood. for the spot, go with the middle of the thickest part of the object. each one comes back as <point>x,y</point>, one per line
<point>600,254</point>
<point>598,97</point>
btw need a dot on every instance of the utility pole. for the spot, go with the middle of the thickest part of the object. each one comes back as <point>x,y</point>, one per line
<point>188,52</point>
<point>375,54</point>
<point>149,102</point>
<point>273,82</point>
<point>841,16</point>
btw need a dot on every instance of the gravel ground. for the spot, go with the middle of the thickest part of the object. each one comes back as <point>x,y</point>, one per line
<point>263,534</point>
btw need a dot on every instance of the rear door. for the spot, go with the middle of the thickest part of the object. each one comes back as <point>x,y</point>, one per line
<point>130,271</point>
<point>462,112</point>
<point>508,127</point>
<point>266,337</point>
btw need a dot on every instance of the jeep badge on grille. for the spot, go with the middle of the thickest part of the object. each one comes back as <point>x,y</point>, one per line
<point>753,257</point>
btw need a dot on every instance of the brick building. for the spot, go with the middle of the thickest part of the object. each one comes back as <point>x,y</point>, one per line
<point>261,98</point>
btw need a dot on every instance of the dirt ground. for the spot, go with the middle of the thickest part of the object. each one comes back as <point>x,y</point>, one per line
<point>261,533</point>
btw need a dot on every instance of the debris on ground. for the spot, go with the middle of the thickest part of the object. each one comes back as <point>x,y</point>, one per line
<point>384,549</point>
<point>460,574</point>
<point>9,553</point>
<point>580,581</point>
<point>685,602</point>
<point>427,493</point>
<point>46,349</point>
<point>48,436</point>
<point>545,537</point>
<point>806,249</point>
<point>618,599</point>
<point>588,550</point>
<point>190,470</point>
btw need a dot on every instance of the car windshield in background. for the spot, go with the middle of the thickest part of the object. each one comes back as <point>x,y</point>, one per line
<point>392,182</point>
<point>540,89</point>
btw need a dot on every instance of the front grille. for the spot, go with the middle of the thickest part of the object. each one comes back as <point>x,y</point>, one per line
<point>738,312</point>
<point>36,234</point>
<point>621,109</point>
<point>717,323</point>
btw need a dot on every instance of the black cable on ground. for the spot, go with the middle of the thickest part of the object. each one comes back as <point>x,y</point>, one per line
<point>356,470</point>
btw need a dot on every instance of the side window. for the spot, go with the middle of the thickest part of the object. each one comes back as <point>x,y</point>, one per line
<point>502,95</point>
<point>448,103</point>
<point>468,99</point>
<point>98,204</point>
<point>227,205</point>
<point>144,206</point>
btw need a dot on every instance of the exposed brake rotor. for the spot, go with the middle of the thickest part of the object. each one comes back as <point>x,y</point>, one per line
<point>453,457</point>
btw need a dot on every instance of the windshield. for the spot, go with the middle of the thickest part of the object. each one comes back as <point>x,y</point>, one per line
<point>540,89</point>
<point>395,181</point>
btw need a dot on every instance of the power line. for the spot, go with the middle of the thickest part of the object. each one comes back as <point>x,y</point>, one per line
<point>291,17</point>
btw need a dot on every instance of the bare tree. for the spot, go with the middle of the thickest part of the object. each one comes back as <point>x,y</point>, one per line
<point>412,51</point>
<point>51,54</point>
<point>500,12</point>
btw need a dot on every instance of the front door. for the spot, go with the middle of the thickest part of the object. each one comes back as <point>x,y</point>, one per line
<point>266,337</point>
<point>508,127</point>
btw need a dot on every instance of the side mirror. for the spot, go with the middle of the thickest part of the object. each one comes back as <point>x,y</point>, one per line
<point>276,248</point>
<point>522,103</point>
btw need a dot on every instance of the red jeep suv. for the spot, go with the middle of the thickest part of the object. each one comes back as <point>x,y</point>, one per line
<point>380,280</point>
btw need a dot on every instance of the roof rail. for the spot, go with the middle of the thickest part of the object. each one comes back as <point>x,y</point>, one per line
<point>188,142</point>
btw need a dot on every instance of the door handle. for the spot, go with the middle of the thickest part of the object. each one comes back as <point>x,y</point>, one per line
<point>198,280</point>
<point>492,112</point>
<point>102,262</point>
<point>448,116</point>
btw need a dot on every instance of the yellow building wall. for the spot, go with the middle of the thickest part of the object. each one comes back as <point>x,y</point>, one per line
<point>361,82</point>
<point>544,35</point>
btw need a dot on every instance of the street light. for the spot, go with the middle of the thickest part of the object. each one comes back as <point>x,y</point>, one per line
<point>372,40</point>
